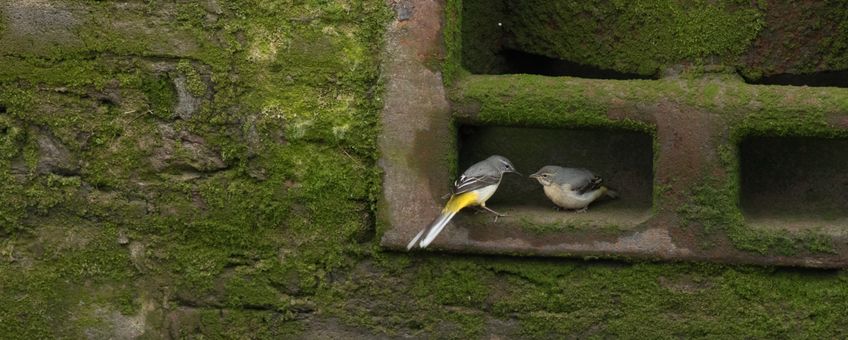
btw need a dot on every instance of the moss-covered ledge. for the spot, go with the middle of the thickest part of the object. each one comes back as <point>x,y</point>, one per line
<point>698,120</point>
<point>539,100</point>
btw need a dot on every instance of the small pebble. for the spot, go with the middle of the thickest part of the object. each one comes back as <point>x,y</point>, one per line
<point>123,239</point>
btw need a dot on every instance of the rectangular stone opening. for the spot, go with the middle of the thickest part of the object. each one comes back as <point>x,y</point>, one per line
<point>795,183</point>
<point>623,158</point>
<point>489,44</point>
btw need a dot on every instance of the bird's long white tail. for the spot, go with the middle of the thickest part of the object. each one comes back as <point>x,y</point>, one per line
<point>432,230</point>
<point>454,205</point>
<point>415,239</point>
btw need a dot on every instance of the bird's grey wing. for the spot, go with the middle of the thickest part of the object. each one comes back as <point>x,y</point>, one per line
<point>470,183</point>
<point>478,176</point>
<point>594,184</point>
<point>580,180</point>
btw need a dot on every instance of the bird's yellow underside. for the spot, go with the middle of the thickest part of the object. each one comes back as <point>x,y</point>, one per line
<point>457,202</point>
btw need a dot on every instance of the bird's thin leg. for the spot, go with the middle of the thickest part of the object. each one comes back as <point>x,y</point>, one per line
<point>497,214</point>
<point>582,210</point>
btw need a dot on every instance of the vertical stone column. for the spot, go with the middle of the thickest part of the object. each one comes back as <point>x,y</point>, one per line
<point>416,130</point>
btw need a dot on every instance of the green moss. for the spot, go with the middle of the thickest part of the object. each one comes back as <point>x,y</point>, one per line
<point>456,283</point>
<point>535,102</point>
<point>470,324</point>
<point>250,248</point>
<point>72,73</point>
<point>161,95</point>
<point>253,292</point>
<point>11,137</point>
<point>39,297</point>
<point>715,204</point>
<point>194,82</point>
<point>800,122</point>
<point>714,207</point>
<point>804,32</point>
<point>643,37</point>
<point>452,65</point>
<point>639,37</point>
<point>194,231</point>
<point>76,274</point>
<point>521,100</point>
<point>234,323</point>
<point>571,226</point>
<point>564,101</point>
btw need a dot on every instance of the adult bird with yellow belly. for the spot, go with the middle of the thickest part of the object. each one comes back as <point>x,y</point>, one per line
<point>474,187</point>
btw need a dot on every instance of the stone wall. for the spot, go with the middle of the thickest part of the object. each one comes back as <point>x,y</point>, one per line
<point>209,169</point>
<point>759,38</point>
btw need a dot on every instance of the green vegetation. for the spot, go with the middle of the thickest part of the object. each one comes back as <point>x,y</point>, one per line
<point>195,84</point>
<point>522,100</point>
<point>714,208</point>
<point>278,240</point>
<point>292,121</point>
<point>646,37</point>
<point>641,36</point>
<point>452,65</point>
<point>638,37</point>
<point>571,227</point>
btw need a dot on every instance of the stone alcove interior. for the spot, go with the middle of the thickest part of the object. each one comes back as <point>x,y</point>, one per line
<point>623,158</point>
<point>794,183</point>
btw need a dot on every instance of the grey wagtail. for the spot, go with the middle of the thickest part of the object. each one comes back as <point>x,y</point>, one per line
<point>571,188</point>
<point>474,187</point>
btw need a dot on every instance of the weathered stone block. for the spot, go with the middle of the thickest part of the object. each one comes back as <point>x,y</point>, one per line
<point>37,26</point>
<point>643,37</point>
<point>677,145</point>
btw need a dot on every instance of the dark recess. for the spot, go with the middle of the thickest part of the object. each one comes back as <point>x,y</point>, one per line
<point>623,158</point>
<point>106,101</point>
<point>522,62</point>
<point>819,79</point>
<point>796,176</point>
<point>2,108</point>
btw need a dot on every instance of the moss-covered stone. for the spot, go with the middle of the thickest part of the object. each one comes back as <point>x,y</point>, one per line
<point>195,83</point>
<point>743,110</point>
<point>186,226</point>
<point>280,238</point>
<point>645,37</point>
<point>452,66</point>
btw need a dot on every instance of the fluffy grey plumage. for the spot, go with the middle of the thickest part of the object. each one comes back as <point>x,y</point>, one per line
<point>571,188</point>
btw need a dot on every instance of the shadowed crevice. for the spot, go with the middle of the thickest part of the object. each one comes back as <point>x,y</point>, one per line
<point>795,183</point>
<point>818,79</point>
<point>527,63</point>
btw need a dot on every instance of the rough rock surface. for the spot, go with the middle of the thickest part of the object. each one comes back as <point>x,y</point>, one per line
<point>253,217</point>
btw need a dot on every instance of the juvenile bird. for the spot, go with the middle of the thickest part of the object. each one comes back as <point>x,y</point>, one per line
<point>474,187</point>
<point>571,188</point>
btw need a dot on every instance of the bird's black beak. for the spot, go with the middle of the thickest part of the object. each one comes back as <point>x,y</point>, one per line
<point>517,173</point>
<point>534,176</point>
